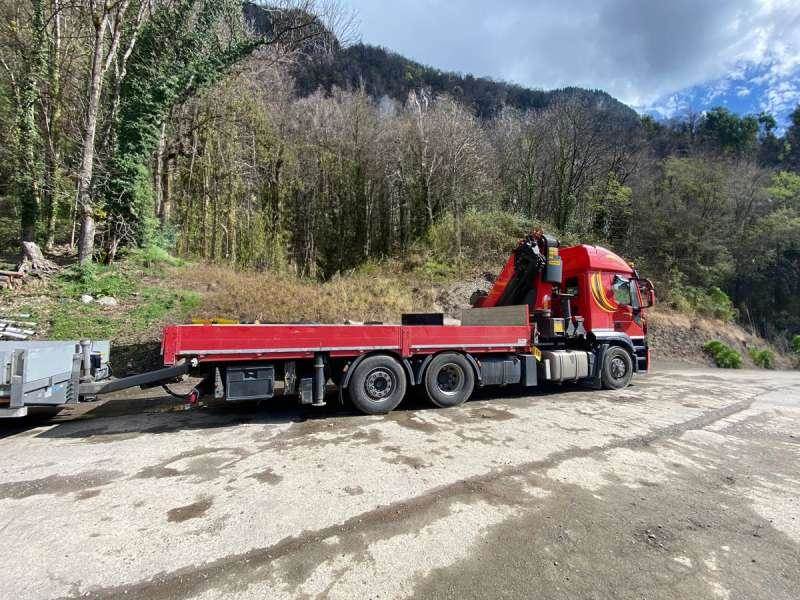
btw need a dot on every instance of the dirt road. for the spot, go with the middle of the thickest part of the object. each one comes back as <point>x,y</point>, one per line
<point>686,485</point>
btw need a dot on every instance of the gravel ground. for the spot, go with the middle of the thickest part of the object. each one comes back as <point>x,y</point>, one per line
<point>685,485</point>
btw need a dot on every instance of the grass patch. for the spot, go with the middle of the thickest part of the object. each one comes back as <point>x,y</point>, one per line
<point>95,280</point>
<point>762,358</point>
<point>73,320</point>
<point>439,271</point>
<point>153,257</point>
<point>724,356</point>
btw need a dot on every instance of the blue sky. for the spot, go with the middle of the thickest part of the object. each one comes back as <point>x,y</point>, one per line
<point>662,57</point>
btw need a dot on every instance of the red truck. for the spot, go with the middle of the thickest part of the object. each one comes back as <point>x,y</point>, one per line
<point>553,315</point>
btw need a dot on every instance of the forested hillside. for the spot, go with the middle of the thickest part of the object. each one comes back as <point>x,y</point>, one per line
<point>173,124</point>
<point>384,73</point>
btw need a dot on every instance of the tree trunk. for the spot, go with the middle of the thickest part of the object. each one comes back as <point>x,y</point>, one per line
<point>166,192</point>
<point>204,239</point>
<point>86,243</point>
<point>33,261</point>
<point>158,172</point>
<point>232,250</point>
<point>53,169</point>
<point>83,197</point>
<point>28,188</point>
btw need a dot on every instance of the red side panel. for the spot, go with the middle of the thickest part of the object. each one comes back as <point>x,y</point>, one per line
<point>228,343</point>
<point>473,339</point>
<point>214,343</point>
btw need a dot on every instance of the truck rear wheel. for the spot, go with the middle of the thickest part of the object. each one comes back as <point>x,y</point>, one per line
<point>449,380</point>
<point>378,385</point>
<point>617,369</point>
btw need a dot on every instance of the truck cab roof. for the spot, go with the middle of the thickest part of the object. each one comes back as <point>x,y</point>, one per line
<point>592,258</point>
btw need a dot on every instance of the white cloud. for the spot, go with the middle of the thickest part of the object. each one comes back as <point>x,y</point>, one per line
<point>639,51</point>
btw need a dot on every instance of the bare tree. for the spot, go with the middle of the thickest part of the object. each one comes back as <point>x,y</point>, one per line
<point>106,16</point>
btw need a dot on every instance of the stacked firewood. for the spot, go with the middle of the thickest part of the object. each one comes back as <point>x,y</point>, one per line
<point>15,327</point>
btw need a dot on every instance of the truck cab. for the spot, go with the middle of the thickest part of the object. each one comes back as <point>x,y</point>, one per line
<point>587,306</point>
<point>611,297</point>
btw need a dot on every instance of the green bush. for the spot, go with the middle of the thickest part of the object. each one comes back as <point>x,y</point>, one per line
<point>796,344</point>
<point>762,358</point>
<point>154,257</point>
<point>724,356</point>
<point>710,303</point>
<point>439,270</point>
<point>485,236</point>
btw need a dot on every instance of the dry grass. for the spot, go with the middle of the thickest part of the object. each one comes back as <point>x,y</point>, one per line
<point>272,298</point>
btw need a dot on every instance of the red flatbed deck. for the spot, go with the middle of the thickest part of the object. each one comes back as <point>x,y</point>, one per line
<point>242,343</point>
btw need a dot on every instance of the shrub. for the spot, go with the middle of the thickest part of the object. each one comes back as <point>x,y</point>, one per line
<point>710,303</point>
<point>796,344</point>
<point>154,256</point>
<point>438,270</point>
<point>485,236</point>
<point>724,356</point>
<point>762,358</point>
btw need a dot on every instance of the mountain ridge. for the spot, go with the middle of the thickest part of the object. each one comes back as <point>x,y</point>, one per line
<point>384,72</point>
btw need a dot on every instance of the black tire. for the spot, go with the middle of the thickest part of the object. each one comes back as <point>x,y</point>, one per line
<point>617,369</point>
<point>449,380</point>
<point>378,385</point>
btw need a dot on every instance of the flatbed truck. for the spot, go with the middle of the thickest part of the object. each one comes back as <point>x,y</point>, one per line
<point>554,315</point>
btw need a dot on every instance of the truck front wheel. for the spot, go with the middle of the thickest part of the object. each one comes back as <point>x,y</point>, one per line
<point>378,385</point>
<point>617,369</point>
<point>449,380</point>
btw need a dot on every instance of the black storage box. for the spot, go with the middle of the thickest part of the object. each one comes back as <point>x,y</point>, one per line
<point>423,319</point>
<point>256,382</point>
<point>500,370</point>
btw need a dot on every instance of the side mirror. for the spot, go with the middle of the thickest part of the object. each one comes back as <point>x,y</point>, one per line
<point>647,292</point>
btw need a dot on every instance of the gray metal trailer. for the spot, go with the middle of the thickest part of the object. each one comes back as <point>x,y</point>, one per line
<point>48,373</point>
<point>36,374</point>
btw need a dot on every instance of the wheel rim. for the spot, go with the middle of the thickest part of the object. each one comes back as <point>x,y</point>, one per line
<point>379,384</point>
<point>618,368</point>
<point>450,379</point>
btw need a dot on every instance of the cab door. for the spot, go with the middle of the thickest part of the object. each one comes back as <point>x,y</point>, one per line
<point>627,316</point>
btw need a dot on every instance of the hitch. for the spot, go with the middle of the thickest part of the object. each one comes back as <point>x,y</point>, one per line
<point>150,379</point>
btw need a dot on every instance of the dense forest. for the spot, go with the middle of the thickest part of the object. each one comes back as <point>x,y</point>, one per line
<point>264,143</point>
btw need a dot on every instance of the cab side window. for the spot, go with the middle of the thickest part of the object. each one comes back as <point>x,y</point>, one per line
<point>622,290</point>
